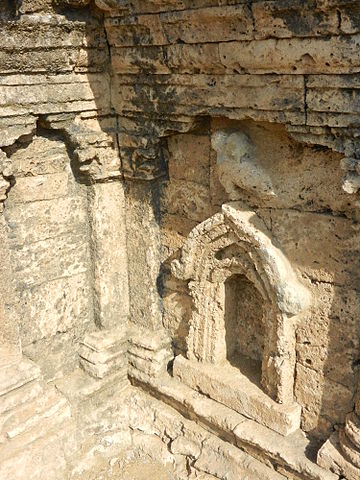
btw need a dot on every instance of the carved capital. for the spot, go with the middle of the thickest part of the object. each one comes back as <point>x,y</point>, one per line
<point>95,156</point>
<point>144,162</point>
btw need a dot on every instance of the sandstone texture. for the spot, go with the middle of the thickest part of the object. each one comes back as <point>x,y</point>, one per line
<point>179,230</point>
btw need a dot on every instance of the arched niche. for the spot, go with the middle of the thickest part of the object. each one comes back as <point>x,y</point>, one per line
<point>228,250</point>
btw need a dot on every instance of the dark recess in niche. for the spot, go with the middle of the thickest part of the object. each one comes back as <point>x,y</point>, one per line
<point>244,325</point>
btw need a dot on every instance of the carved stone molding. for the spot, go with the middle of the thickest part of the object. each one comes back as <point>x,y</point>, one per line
<point>142,144</point>
<point>253,255</point>
<point>104,352</point>
<point>149,354</point>
<point>95,155</point>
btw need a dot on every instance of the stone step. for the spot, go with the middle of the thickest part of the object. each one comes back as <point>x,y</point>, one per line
<point>247,434</point>
<point>331,456</point>
<point>351,451</point>
<point>352,428</point>
<point>28,416</point>
<point>16,375</point>
<point>61,424</point>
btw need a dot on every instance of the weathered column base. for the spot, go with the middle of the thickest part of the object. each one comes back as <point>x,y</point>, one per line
<point>149,354</point>
<point>104,352</point>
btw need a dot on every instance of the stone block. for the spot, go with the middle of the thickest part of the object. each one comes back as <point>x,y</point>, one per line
<point>41,187</point>
<point>230,387</point>
<point>57,356</point>
<point>41,35</point>
<point>198,93</point>
<point>189,158</point>
<point>283,19</point>
<point>41,157</point>
<point>37,263</point>
<point>132,60</point>
<point>303,56</point>
<point>14,127</point>
<point>72,91</point>
<point>194,58</point>
<point>36,221</point>
<point>321,395</point>
<point>335,100</point>
<point>192,26</point>
<point>187,199</point>
<point>289,450</point>
<point>55,306</point>
<point>226,461</point>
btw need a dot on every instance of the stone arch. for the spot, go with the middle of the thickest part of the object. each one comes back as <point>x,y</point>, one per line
<point>257,258</point>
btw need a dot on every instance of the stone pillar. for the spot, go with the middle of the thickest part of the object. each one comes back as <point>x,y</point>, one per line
<point>108,247</point>
<point>96,162</point>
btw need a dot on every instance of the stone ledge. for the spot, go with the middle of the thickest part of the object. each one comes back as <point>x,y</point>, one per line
<point>229,386</point>
<point>288,452</point>
<point>16,375</point>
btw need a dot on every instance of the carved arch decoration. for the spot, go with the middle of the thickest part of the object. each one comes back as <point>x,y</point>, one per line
<point>267,268</point>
